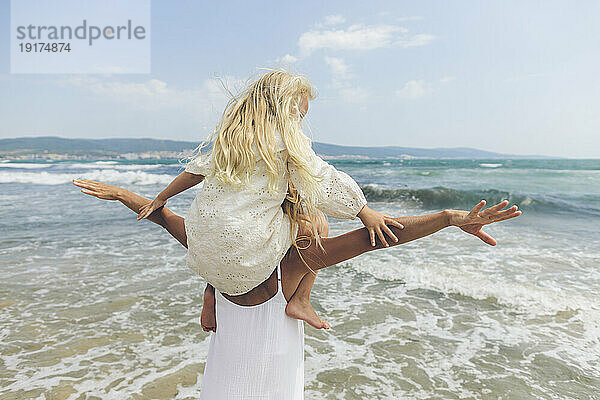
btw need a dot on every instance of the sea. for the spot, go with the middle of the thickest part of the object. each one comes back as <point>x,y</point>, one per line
<point>97,305</point>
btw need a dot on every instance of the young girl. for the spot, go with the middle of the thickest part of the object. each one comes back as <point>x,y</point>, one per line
<point>236,229</point>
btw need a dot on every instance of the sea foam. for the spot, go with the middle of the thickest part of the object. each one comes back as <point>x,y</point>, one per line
<point>24,165</point>
<point>111,176</point>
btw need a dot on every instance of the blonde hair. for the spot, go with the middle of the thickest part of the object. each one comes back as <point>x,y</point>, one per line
<point>270,103</point>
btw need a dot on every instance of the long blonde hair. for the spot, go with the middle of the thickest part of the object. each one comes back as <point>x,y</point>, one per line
<point>270,103</point>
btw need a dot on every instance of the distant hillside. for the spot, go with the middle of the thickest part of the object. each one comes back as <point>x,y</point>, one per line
<point>395,151</point>
<point>54,144</point>
<point>113,147</point>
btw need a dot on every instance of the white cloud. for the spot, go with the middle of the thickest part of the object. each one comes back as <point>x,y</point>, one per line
<point>287,59</point>
<point>339,69</point>
<point>414,89</point>
<point>152,92</point>
<point>360,37</point>
<point>122,91</point>
<point>334,20</point>
<point>201,104</point>
<point>342,80</point>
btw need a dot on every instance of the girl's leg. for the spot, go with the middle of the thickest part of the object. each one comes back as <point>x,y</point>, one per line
<point>208,317</point>
<point>299,306</point>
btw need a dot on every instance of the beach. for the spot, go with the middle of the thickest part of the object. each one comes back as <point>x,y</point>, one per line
<point>96,305</point>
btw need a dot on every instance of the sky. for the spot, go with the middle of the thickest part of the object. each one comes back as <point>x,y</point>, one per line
<point>516,77</point>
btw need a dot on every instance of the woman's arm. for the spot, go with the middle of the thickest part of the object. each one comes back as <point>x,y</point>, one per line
<point>182,182</point>
<point>173,223</point>
<point>357,242</point>
<point>352,244</point>
<point>164,217</point>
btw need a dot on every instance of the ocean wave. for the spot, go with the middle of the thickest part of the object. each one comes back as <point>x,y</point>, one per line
<point>24,165</point>
<point>104,175</point>
<point>83,165</point>
<point>485,165</point>
<point>437,197</point>
<point>105,165</point>
<point>530,298</point>
<point>440,197</point>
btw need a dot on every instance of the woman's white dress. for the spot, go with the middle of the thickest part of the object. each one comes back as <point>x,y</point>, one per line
<point>256,353</point>
<point>236,237</point>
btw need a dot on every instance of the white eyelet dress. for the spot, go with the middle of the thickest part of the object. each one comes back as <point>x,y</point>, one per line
<point>257,352</point>
<point>237,236</point>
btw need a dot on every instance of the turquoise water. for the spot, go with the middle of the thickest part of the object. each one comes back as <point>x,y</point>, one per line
<point>97,305</point>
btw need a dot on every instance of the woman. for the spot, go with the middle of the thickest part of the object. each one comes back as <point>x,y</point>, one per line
<point>257,351</point>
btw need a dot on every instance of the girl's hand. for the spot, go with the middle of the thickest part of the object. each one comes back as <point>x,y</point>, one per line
<point>473,221</point>
<point>98,189</point>
<point>377,222</point>
<point>149,208</point>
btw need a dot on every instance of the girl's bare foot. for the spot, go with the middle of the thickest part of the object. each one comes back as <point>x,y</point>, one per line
<point>303,310</point>
<point>208,318</point>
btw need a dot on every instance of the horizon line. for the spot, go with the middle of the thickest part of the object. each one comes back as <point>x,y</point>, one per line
<point>316,141</point>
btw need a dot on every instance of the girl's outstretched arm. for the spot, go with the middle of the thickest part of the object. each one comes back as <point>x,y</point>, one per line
<point>182,182</point>
<point>164,217</point>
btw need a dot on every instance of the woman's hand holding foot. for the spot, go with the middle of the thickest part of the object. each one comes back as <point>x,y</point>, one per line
<point>473,221</point>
